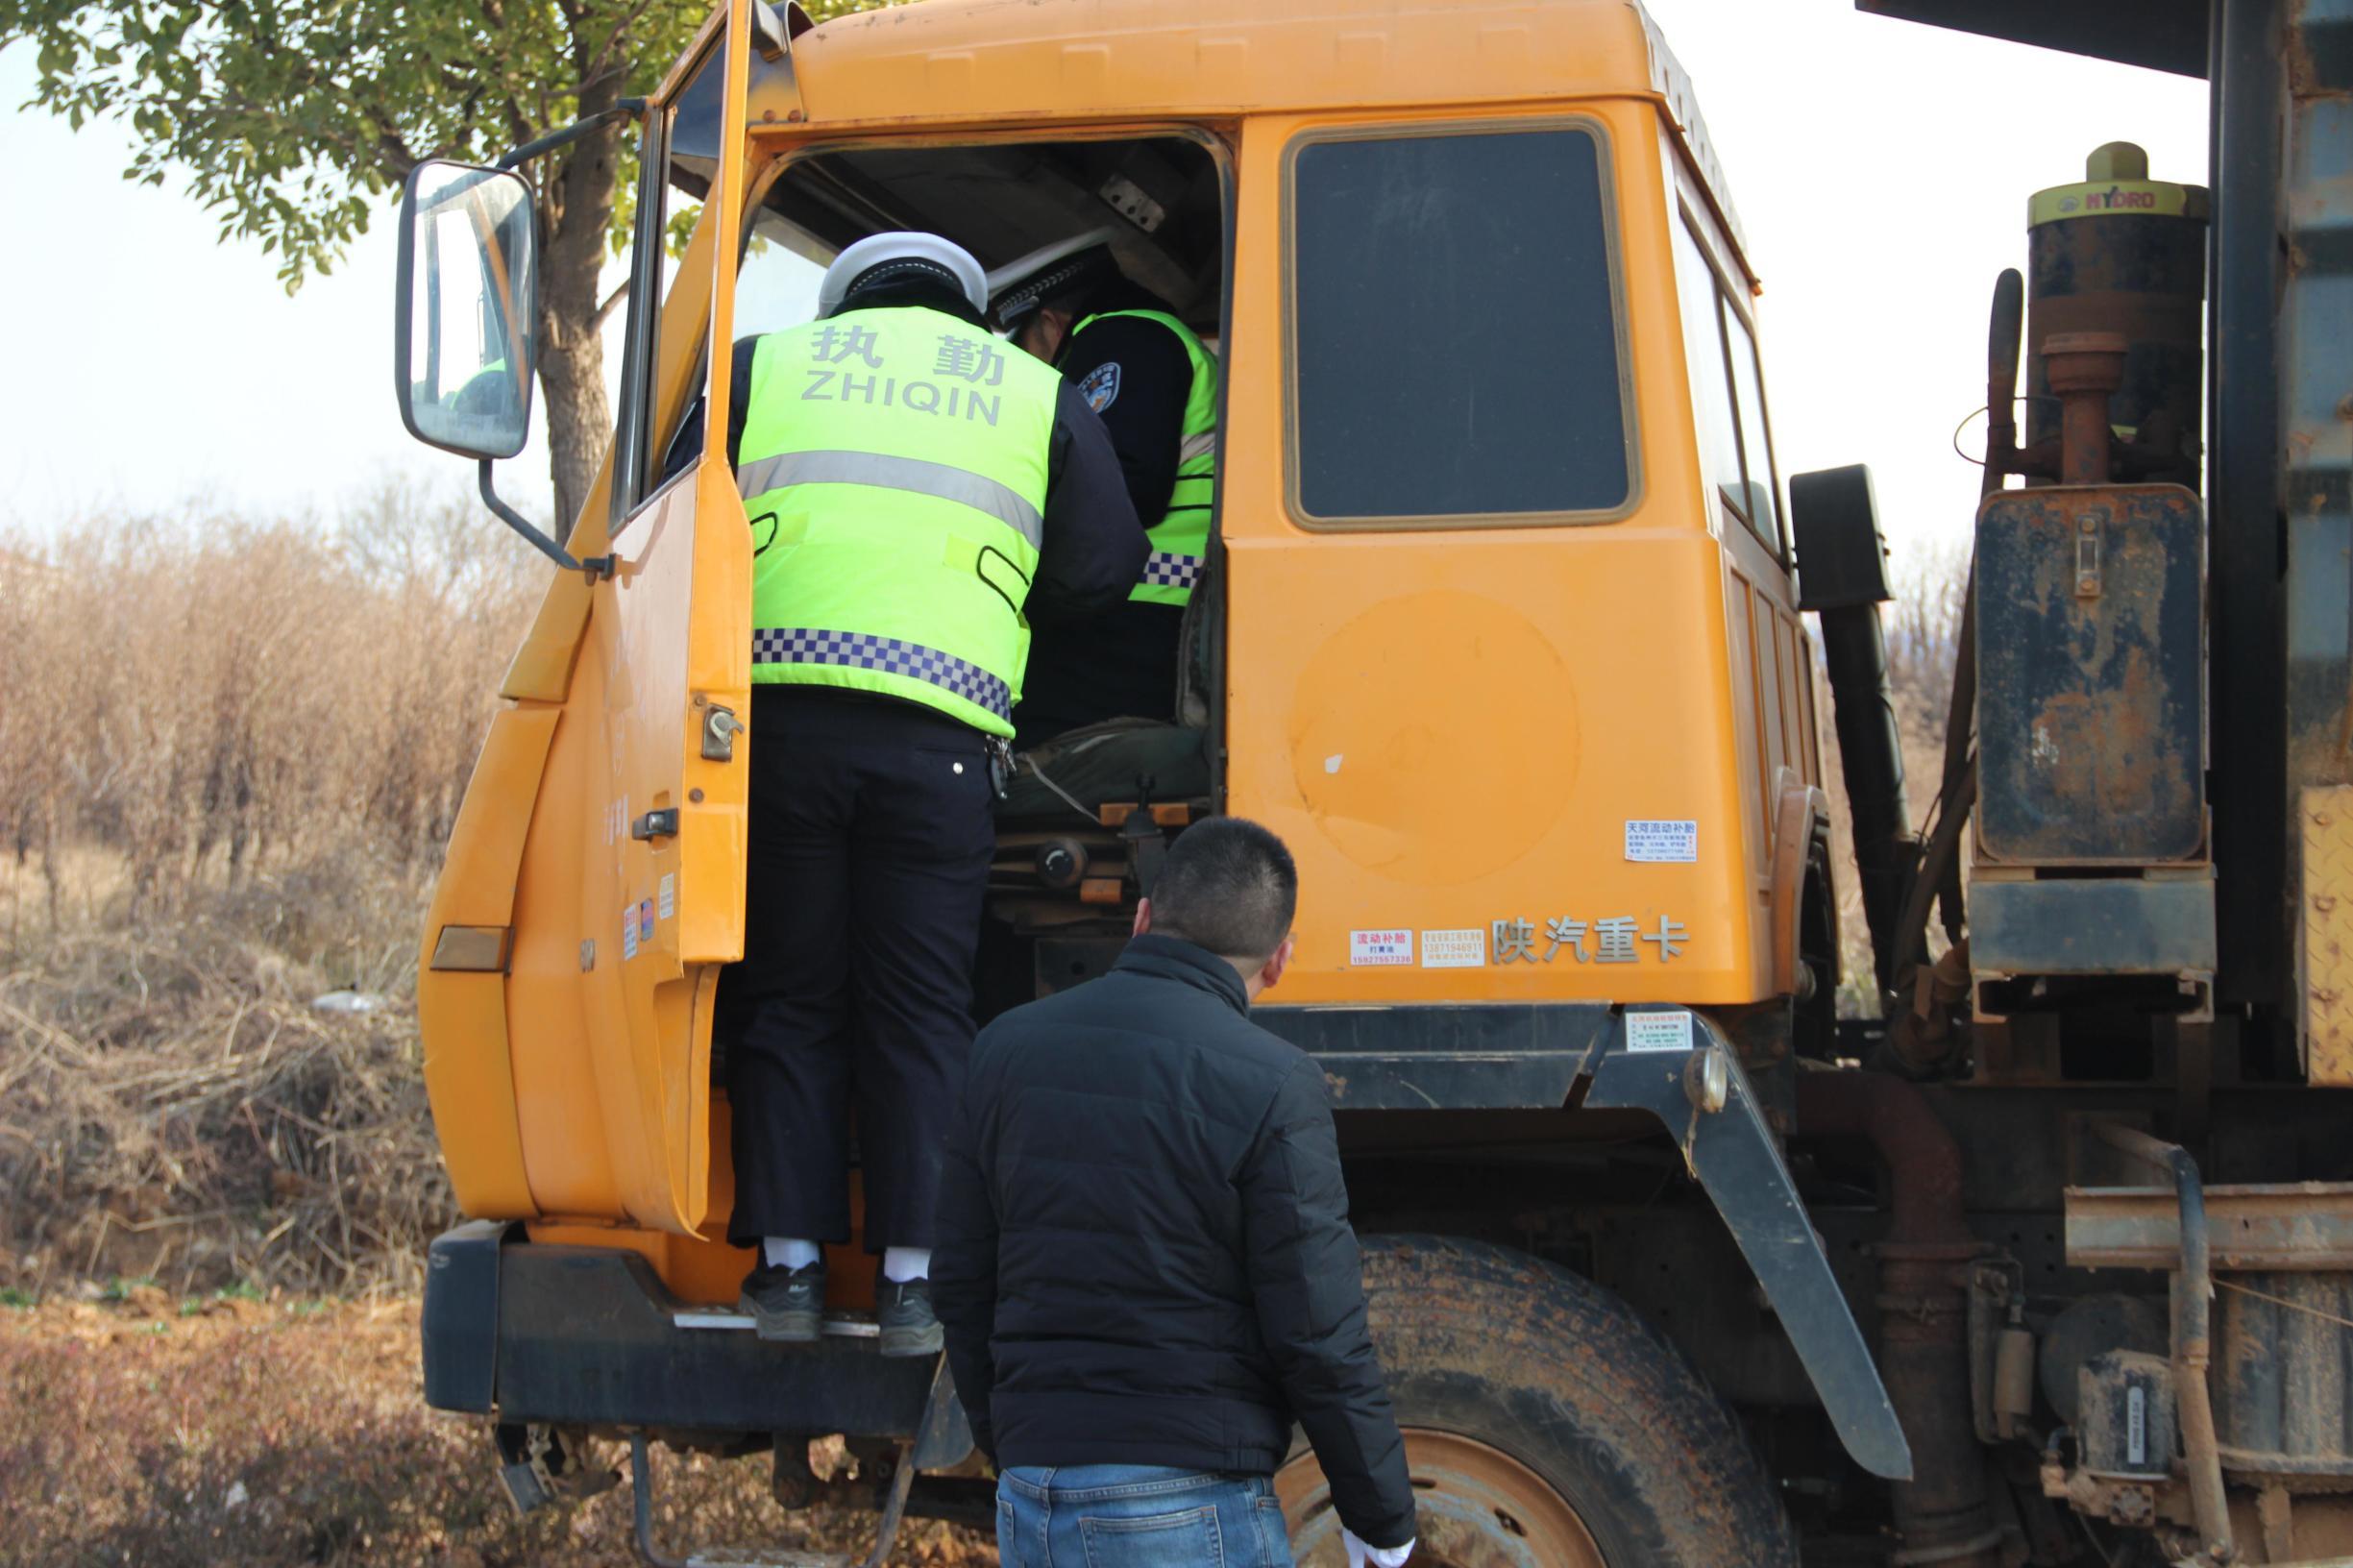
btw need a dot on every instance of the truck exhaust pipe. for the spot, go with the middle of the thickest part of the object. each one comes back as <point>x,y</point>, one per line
<point>1842,567</point>
<point>1943,1514</point>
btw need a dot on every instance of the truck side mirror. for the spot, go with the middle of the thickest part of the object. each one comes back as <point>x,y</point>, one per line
<point>465,332</point>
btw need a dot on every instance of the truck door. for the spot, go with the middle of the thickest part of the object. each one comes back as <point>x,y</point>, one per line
<point>632,895</point>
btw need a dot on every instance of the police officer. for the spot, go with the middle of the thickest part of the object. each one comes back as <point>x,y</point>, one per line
<point>914,486</point>
<point>1155,384</point>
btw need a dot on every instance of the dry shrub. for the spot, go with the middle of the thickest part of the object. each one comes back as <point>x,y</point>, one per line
<point>269,1437</point>
<point>202,694</point>
<point>229,756</point>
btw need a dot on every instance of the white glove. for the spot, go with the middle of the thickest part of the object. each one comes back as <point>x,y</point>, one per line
<point>1378,1556</point>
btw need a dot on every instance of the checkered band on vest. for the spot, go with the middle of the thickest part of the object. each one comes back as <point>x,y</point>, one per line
<point>858,651</point>
<point>1163,569</point>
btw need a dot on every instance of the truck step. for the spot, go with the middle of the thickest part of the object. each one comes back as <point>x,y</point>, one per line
<point>837,1325</point>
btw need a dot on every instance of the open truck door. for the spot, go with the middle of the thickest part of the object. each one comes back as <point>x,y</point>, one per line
<point>594,881</point>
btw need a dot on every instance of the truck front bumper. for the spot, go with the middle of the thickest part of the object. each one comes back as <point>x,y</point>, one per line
<point>588,1337</point>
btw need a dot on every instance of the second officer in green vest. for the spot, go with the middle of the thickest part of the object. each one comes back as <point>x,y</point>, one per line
<point>1155,384</point>
<point>915,489</point>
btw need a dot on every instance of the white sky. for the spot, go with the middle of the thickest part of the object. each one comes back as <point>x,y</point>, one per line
<point>1882,170</point>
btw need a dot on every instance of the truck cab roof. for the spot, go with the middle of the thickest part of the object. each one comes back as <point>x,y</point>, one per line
<point>1013,62</point>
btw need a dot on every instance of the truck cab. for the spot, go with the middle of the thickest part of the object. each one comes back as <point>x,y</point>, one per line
<point>1499,630</point>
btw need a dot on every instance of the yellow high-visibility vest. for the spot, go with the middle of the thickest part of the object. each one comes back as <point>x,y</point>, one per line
<point>1181,538</point>
<point>893,467</point>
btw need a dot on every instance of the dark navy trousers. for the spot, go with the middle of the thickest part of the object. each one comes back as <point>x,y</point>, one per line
<point>870,835</point>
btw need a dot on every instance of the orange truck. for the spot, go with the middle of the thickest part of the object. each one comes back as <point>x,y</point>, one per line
<point>1505,630</point>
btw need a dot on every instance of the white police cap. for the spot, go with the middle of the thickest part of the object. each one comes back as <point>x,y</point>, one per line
<point>1016,289</point>
<point>879,257</point>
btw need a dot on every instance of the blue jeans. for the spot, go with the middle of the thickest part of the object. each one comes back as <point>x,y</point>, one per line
<point>1137,1516</point>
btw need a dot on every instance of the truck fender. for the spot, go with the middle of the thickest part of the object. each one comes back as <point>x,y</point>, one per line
<point>1715,1119</point>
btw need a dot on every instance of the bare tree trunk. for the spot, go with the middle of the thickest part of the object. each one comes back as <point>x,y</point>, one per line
<point>579,197</point>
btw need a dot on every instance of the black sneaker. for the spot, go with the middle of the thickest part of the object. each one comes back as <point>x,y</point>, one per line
<point>903,1308</point>
<point>787,1305</point>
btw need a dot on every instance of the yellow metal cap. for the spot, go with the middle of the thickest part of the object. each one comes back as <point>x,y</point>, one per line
<point>2116,160</point>
<point>2116,182</point>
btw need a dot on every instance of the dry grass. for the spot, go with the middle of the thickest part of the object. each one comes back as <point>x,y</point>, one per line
<point>269,1434</point>
<point>171,1106</point>
<point>228,755</point>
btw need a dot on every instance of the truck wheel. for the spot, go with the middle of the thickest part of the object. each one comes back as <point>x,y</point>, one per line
<point>1546,1426</point>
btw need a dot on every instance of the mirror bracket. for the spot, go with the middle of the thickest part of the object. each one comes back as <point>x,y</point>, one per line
<point>592,568</point>
<point>626,108</point>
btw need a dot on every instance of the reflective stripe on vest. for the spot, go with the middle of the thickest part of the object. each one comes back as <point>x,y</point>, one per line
<point>912,474</point>
<point>857,650</point>
<point>1161,569</point>
<point>1180,539</point>
<point>892,465</point>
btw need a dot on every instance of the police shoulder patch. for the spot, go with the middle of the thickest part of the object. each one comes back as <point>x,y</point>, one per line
<point>1101,387</point>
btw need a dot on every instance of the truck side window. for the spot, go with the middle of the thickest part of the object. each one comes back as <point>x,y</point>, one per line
<point>1454,327</point>
<point>1711,383</point>
<point>1756,449</point>
<point>1726,393</point>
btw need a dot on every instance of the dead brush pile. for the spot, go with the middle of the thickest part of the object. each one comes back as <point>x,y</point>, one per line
<point>172,1105</point>
<point>295,1436</point>
<point>228,755</point>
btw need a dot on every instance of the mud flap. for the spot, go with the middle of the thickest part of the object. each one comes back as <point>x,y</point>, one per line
<point>1733,1156</point>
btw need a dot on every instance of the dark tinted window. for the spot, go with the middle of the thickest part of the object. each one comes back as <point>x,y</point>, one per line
<point>1456,340</point>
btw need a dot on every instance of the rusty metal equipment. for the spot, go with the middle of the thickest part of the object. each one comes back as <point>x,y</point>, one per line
<point>2192,1331</point>
<point>2280,1259</point>
<point>2122,253</point>
<point>2126,1415</point>
<point>2263,1299</point>
<point>2282,1417</point>
<point>2090,741</point>
<point>1944,1514</point>
<point>2092,875</point>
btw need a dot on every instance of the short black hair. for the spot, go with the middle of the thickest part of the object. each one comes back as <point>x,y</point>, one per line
<point>1227,885</point>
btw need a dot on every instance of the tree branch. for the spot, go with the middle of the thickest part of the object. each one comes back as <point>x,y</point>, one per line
<point>621,292</point>
<point>618,37</point>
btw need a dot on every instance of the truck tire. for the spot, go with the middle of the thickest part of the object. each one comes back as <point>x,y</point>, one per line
<point>1546,1426</point>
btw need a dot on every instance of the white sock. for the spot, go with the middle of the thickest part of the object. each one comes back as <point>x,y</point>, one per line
<point>788,1251</point>
<point>903,1263</point>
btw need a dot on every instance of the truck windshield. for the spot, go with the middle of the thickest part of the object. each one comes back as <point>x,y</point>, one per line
<point>1454,325</point>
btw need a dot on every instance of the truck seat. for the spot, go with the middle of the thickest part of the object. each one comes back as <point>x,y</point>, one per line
<point>1076,773</point>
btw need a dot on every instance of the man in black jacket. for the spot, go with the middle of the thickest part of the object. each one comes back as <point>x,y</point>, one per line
<point>1144,1266</point>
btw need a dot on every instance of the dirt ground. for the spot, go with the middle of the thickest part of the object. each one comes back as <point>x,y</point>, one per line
<point>161,1432</point>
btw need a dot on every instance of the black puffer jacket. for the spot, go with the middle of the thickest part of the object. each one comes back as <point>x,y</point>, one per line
<point>1144,1254</point>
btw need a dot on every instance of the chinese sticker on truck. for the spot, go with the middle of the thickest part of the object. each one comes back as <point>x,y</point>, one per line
<point>1375,948</point>
<point>1658,1031</point>
<point>1455,949</point>
<point>1662,841</point>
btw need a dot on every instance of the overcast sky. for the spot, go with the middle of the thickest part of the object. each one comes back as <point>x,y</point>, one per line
<point>1882,170</point>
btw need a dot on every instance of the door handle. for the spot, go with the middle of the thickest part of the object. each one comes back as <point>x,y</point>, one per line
<point>720,728</point>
